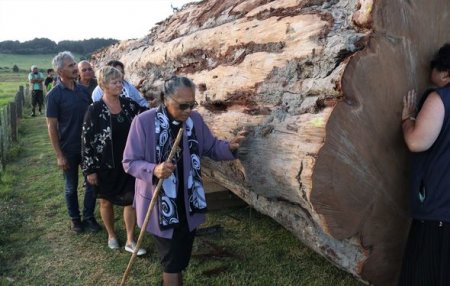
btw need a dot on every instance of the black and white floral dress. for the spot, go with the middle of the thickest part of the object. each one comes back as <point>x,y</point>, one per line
<point>104,136</point>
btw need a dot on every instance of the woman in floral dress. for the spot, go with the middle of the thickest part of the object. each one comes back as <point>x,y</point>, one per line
<point>105,130</point>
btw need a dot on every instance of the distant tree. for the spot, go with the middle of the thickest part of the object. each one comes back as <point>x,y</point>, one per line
<point>37,46</point>
<point>73,46</point>
<point>8,47</point>
<point>15,68</point>
<point>47,46</point>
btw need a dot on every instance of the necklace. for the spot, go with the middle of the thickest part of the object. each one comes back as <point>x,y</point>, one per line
<point>120,117</point>
<point>115,109</point>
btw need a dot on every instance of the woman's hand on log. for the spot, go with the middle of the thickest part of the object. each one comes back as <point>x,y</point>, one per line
<point>164,170</point>
<point>235,142</point>
<point>409,105</point>
<point>92,179</point>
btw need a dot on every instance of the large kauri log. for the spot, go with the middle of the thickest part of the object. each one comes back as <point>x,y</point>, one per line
<point>319,85</point>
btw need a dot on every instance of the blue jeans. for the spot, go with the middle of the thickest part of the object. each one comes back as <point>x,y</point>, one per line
<point>71,190</point>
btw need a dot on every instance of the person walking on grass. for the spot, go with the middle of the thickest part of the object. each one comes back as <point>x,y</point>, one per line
<point>105,130</point>
<point>181,201</point>
<point>36,78</point>
<point>67,103</point>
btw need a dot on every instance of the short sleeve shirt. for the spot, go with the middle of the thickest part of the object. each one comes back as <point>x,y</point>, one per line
<point>36,85</point>
<point>68,107</point>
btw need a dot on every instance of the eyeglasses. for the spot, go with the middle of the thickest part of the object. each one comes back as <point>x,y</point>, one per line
<point>184,106</point>
<point>88,69</point>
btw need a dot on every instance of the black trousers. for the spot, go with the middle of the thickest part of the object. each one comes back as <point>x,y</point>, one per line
<point>37,98</point>
<point>175,253</point>
<point>426,260</point>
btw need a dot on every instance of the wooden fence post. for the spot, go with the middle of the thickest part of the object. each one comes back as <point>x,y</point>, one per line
<point>2,140</point>
<point>27,95</point>
<point>2,161</point>
<point>6,129</point>
<point>20,101</point>
<point>13,118</point>
<point>9,121</point>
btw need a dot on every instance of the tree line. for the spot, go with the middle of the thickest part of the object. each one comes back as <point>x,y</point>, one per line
<point>47,46</point>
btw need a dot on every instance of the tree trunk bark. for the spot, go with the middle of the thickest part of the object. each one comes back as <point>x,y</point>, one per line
<point>319,85</point>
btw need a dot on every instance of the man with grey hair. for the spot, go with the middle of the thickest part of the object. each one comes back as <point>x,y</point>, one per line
<point>67,103</point>
<point>36,78</point>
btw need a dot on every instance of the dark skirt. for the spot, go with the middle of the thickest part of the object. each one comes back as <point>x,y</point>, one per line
<point>175,253</point>
<point>426,261</point>
<point>116,186</point>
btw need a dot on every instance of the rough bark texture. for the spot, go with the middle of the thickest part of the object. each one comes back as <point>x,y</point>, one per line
<point>319,85</point>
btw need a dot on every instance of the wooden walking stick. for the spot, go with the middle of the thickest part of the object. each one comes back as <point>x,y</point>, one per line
<point>150,208</point>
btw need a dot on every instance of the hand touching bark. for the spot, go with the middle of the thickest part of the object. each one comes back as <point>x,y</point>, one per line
<point>235,142</point>
<point>409,105</point>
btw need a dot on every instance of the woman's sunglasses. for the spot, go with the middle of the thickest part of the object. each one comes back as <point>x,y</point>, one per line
<point>184,106</point>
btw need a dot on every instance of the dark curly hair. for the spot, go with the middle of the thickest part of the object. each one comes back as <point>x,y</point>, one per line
<point>441,60</point>
<point>115,63</point>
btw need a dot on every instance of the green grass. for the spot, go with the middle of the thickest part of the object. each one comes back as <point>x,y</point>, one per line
<point>9,85</point>
<point>37,247</point>
<point>10,81</point>
<point>24,62</point>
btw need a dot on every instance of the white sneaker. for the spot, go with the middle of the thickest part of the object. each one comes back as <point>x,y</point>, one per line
<point>113,243</point>
<point>132,247</point>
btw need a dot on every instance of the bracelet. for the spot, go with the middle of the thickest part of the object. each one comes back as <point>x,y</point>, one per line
<point>410,118</point>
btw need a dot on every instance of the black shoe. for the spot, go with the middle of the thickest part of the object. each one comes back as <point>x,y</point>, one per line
<point>92,224</point>
<point>77,226</point>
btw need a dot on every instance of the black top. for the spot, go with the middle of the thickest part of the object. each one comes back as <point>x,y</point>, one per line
<point>430,174</point>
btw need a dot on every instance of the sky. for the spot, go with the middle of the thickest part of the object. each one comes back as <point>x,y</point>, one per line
<point>58,20</point>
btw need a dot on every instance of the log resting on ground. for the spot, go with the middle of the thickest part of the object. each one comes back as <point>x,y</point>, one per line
<point>319,85</point>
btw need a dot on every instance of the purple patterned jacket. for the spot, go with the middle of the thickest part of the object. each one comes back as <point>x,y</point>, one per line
<point>139,161</point>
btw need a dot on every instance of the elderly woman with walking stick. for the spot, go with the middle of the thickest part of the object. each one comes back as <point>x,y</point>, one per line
<point>181,203</point>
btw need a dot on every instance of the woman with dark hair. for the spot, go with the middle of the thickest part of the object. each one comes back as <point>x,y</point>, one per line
<point>105,130</point>
<point>427,134</point>
<point>181,202</point>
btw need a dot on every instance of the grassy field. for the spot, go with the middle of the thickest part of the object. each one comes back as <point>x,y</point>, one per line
<point>24,62</point>
<point>9,84</point>
<point>37,247</point>
<point>10,81</point>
